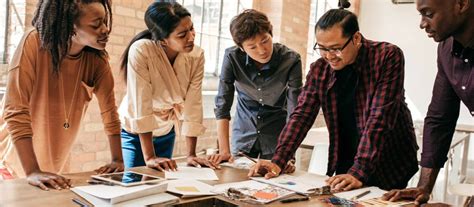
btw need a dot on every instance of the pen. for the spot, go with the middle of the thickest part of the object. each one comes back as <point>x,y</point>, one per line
<point>96,182</point>
<point>79,202</point>
<point>291,200</point>
<point>360,195</point>
<point>251,159</point>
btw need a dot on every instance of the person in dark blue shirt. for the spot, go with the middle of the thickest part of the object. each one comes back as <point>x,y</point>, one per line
<point>268,79</point>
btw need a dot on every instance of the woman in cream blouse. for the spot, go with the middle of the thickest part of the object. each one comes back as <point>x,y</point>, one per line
<point>164,72</point>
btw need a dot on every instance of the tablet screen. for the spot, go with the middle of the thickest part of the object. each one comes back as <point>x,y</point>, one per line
<point>128,177</point>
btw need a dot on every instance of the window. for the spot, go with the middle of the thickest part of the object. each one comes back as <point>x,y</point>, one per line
<point>211,20</point>
<point>318,8</point>
<point>3,31</point>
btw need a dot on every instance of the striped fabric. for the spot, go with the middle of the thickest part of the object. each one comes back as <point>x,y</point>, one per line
<point>386,154</point>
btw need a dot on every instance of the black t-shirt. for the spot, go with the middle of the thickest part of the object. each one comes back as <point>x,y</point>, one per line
<point>345,86</point>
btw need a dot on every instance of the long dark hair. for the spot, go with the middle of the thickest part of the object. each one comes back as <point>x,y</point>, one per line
<point>54,20</point>
<point>161,19</point>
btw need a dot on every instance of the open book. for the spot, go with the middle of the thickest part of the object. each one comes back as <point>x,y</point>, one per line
<point>104,195</point>
<point>301,182</point>
<point>251,191</point>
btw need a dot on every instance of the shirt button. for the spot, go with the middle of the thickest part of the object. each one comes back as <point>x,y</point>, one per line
<point>463,87</point>
<point>466,60</point>
<point>260,100</point>
<point>259,89</point>
<point>258,132</point>
<point>258,117</point>
<point>258,73</point>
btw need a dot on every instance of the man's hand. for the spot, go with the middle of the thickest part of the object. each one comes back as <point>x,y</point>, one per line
<point>343,182</point>
<point>198,162</point>
<point>420,195</point>
<point>265,168</point>
<point>162,164</point>
<point>114,166</point>
<point>218,158</point>
<point>290,167</point>
<point>46,180</point>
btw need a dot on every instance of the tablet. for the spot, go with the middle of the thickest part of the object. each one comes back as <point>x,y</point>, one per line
<point>128,178</point>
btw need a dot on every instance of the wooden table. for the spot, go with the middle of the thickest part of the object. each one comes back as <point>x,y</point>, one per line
<point>19,193</point>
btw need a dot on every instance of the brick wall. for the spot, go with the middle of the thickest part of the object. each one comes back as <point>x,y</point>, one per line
<point>290,22</point>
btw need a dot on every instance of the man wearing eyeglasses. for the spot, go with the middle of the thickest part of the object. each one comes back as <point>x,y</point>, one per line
<point>358,83</point>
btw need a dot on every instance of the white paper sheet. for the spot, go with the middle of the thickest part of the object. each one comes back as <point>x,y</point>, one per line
<point>375,192</point>
<point>192,173</point>
<point>301,182</point>
<point>189,188</point>
<point>240,163</point>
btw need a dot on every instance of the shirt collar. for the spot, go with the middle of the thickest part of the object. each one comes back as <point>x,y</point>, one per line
<point>457,50</point>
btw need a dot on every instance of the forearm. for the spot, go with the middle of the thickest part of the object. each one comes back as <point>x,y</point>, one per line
<point>223,136</point>
<point>25,151</point>
<point>428,178</point>
<point>115,147</point>
<point>146,142</point>
<point>191,145</point>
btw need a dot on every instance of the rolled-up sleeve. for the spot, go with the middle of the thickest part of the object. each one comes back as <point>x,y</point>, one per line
<point>225,94</point>
<point>192,112</point>
<point>139,90</point>
<point>21,79</point>
<point>104,90</point>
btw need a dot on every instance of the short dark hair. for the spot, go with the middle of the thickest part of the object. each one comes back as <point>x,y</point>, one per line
<point>248,24</point>
<point>346,19</point>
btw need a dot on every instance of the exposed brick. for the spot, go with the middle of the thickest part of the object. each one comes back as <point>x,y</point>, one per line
<point>120,10</point>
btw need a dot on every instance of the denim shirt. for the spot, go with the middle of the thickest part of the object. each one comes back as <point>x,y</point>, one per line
<point>265,97</point>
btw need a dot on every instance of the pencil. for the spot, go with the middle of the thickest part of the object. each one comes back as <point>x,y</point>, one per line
<point>360,195</point>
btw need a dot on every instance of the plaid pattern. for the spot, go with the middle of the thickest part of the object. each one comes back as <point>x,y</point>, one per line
<point>386,154</point>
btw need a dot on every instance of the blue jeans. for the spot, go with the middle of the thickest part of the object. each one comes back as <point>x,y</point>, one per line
<point>132,150</point>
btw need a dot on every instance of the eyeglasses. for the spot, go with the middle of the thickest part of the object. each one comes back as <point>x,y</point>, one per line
<point>334,51</point>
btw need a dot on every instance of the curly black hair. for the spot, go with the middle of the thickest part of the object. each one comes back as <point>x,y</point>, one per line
<point>54,20</point>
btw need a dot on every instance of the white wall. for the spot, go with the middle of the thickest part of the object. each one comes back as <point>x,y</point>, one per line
<point>399,24</point>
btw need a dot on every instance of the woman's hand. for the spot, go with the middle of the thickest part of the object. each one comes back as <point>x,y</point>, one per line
<point>47,180</point>
<point>162,164</point>
<point>114,166</point>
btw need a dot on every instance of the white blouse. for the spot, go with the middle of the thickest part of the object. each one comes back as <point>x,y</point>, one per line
<point>160,96</point>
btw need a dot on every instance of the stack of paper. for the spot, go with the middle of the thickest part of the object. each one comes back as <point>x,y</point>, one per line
<point>189,188</point>
<point>192,173</point>
<point>104,195</point>
<point>301,182</point>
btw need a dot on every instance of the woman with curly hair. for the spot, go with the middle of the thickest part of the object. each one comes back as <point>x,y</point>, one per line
<point>58,66</point>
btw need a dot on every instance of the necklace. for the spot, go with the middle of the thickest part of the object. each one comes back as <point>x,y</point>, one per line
<point>66,124</point>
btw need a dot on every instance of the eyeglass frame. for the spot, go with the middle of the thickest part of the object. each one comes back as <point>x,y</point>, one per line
<point>334,51</point>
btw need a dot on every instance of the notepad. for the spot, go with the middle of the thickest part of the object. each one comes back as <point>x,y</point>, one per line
<point>189,188</point>
<point>192,173</point>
